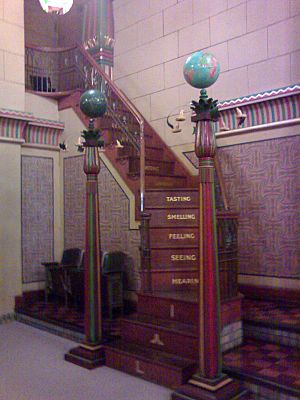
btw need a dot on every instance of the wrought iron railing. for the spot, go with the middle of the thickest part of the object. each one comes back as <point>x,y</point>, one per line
<point>50,70</point>
<point>62,70</point>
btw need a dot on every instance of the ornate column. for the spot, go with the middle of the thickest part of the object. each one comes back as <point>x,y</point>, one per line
<point>90,353</point>
<point>201,70</point>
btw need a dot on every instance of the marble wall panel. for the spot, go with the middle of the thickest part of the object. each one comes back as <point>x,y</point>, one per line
<point>37,216</point>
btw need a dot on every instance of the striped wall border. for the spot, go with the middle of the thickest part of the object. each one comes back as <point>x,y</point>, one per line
<point>276,105</point>
<point>12,128</point>
<point>20,125</point>
<point>262,96</point>
<point>41,135</point>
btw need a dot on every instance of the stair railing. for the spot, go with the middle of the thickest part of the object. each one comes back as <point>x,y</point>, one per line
<point>60,70</point>
<point>51,70</point>
<point>120,109</point>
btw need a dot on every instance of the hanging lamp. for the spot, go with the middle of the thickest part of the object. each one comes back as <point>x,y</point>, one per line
<point>59,7</point>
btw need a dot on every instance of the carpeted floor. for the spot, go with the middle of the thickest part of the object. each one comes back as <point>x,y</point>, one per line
<point>33,368</point>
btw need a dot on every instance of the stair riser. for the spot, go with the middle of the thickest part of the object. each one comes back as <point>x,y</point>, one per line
<point>175,258</point>
<point>262,388</point>
<point>160,339</point>
<point>178,198</point>
<point>148,370</point>
<point>174,280</point>
<point>154,152</point>
<point>162,181</point>
<point>152,166</point>
<point>174,218</point>
<point>269,334</point>
<point>174,237</point>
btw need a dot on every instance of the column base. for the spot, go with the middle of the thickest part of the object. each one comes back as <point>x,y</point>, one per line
<point>87,356</point>
<point>198,388</point>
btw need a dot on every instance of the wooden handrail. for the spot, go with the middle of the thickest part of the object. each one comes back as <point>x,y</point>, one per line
<point>50,49</point>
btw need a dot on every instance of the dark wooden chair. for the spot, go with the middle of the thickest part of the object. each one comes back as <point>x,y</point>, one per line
<point>74,285</point>
<point>56,282</point>
<point>112,283</point>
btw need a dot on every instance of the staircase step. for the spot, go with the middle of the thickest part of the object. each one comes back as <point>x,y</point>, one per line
<point>269,370</point>
<point>155,366</point>
<point>169,305</point>
<point>185,278</point>
<point>154,152</point>
<point>157,181</point>
<point>182,306</point>
<point>165,335</point>
<point>271,321</point>
<point>159,167</point>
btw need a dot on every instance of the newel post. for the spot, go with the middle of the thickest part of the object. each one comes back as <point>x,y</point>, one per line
<point>201,70</point>
<point>90,353</point>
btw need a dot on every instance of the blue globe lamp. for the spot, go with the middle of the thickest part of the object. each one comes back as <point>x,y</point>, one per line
<point>201,70</point>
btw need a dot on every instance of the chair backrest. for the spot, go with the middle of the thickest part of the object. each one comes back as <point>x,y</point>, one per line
<point>72,257</point>
<point>113,262</point>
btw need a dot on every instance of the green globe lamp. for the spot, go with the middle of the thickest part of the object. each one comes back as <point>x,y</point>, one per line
<point>93,104</point>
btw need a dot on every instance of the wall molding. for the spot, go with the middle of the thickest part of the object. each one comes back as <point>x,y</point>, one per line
<point>40,146</point>
<point>255,128</point>
<point>11,140</point>
<point>5,318</point>
<point>271,293</point>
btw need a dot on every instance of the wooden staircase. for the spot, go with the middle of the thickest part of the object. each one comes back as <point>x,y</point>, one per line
<point>160,341</point>
<point>163,333</point>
